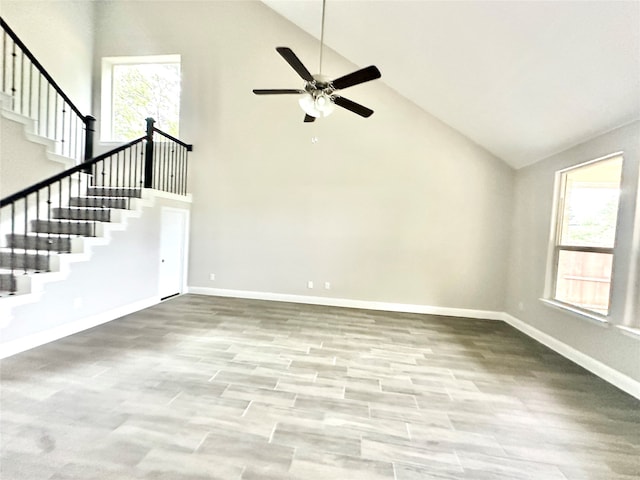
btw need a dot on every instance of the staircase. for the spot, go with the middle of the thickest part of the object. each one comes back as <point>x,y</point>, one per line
<point>38,250</point>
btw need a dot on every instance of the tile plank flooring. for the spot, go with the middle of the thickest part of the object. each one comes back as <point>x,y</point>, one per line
<point>213,388</point>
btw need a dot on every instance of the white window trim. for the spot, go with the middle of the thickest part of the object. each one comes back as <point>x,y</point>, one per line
<point>553,246</point>
<point>106,90</point>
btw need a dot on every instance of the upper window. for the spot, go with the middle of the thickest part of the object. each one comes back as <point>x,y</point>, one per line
<point>135,88</point>
<point>587,212</point>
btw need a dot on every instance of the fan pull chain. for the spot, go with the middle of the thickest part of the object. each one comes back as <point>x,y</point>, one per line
<point>324,4</point>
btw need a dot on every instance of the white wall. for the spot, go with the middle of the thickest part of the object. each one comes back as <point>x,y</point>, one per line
<point>23,163</point>
<point>60,35</point>
<point>531,229</point>
<point>396,208</point>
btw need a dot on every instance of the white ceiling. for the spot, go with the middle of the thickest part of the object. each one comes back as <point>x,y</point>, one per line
<point>524,79</point>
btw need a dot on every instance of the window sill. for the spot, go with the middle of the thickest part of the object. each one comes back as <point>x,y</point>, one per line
<point>593,318</point>
<point>632,332</point>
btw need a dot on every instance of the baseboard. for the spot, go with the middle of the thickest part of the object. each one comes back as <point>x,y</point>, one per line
<point>14,347</point>
<point>350,303</point>
<point>620,380</point>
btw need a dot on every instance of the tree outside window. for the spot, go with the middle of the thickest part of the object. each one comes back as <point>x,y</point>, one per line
<point>135,88</point>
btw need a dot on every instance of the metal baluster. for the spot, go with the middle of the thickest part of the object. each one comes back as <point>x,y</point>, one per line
<point>178,167</point>
<point>164,166</point>
<point>24,235</point>
<point>130,151</point>
<point>186,170</point>
<point>55,117</point>
<point>118,170</point>
<point>62,126</point>
<point>39,114</point>
<point>176,149</point>
<point>22,83</point>
<point>49,214</point>
<point>13,77</point>
<point>142,162</point>
<point>37,215</point>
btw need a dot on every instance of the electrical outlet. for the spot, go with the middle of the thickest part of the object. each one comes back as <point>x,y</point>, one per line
<point>327,285</point>
<point>212,276</point>
<point>310,284</point>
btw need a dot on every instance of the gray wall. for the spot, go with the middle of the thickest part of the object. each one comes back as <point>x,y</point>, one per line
<point>530,239</point>
<point>395,208</point>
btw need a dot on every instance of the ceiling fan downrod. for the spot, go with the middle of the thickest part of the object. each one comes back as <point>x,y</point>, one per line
<point>324,6</point>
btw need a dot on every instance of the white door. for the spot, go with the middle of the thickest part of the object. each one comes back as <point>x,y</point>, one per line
<point>172,251</point>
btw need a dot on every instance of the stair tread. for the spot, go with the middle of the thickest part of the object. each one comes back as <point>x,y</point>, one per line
<point>62,220</point>
<point>22,251</point>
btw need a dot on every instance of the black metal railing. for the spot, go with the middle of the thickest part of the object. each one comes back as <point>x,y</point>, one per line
<point>35,94</point>
<point>168,156</point>
<point>43,218</point>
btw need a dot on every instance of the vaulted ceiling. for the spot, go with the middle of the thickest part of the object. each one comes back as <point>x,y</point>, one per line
<point>523,79</point>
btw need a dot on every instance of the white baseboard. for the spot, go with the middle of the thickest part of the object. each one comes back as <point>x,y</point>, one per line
<point>13,347</point>
<point>620,380</point>
<point>349,303</point>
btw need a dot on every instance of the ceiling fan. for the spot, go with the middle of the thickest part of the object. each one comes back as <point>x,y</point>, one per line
<point>319,95</point>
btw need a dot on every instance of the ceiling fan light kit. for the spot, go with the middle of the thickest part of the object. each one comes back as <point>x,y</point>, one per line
<point>319,96</point>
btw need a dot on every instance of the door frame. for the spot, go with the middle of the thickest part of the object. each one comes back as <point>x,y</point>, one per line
<point>185,247</point>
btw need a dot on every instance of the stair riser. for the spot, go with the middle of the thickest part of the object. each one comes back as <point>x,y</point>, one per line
<point>114,192</point>
<point>96,215</point>
<point>25,261</point>
<point>64,228</point>
<point>100,202</point>
<point>30,242</point>
<point>8,283</point>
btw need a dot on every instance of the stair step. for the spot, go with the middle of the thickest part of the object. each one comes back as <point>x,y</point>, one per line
<point>64,227</point>
<point>8,282</point>
<point>24,261</point>
<point>121,203</point>
<point>39,242</point>
<point>80,213</point>
<point>114,192</point>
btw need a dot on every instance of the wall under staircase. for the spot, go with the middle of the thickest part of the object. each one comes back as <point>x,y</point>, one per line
<point>113,271</point>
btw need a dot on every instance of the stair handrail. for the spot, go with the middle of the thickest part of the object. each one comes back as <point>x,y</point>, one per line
<point>88,120</point>
<point>86,166</point>
<point>83,167</point>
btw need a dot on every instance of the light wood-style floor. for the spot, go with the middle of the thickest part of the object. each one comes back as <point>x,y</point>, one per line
<point>210,388</point>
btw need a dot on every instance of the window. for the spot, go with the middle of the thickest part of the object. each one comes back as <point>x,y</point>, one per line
<point>134,88</point>
<point>586,218</point>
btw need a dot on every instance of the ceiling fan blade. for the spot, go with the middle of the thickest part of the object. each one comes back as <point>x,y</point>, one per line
<point>281,91</point>
<point>309,119</point>
<point>295,63</point>
<point>360,76</point>
<point>352,106</point>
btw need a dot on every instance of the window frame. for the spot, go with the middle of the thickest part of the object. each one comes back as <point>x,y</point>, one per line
<point>106,93</point>
<point>556,247</point>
